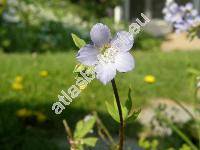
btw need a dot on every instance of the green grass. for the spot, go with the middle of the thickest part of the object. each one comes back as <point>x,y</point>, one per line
<point>170,70</point>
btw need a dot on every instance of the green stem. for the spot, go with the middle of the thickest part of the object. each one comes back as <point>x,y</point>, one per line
<point>121,130</point>
<point>69,133</point>
<point>185,109</point>
<point>179,132</point>
<point>102,127</point>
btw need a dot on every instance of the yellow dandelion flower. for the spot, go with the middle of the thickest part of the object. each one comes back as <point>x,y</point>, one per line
<point>149,79</point>
<point>44,73</point>
<point>18,79</point>
<point>40,117</point>
<point>17,86</point>
<point>23,113</point>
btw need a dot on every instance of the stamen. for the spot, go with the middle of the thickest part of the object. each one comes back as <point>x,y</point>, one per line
<point>107,56</point>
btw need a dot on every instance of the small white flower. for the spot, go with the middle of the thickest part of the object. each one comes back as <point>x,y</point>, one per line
<point>107,55</point>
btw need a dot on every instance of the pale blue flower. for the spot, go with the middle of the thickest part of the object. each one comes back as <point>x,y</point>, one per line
<point>189,6</point>
<point>181,27</point>
<point>183,18</point>
<point>173,13</point>
<point>107,55</point>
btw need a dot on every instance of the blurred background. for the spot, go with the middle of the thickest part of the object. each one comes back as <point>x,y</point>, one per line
<point>37,59</point>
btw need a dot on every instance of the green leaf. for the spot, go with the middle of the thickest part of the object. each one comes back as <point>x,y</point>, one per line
<point>113,113</point>
<point>143,143</point>
<point>128,103</point>
<point>134,115</point>
<point>80,147</point>
<point>193,71</point>
<point>78,128</point>
<point>83,127</point>
<point>91,141</point>
<point>78,41</point>
<point>124,110</point>
<point>128,112</point>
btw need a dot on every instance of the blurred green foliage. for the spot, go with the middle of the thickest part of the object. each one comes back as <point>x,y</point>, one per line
<point>39,93</point>
<point>40,26</point>
<point>34,27</point>
<point>2,6</point>
<point>99,7</point>
<point>146,42</point>
<point>49,37</point>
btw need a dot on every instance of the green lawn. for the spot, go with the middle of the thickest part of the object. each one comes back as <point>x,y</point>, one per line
<point>170,70</point>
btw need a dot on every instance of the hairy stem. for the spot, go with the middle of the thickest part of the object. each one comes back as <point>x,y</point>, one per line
<point>121,130</point>
<point>70,136</point>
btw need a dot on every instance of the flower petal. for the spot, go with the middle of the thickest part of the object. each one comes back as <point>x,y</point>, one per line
<point>123,41</point>
<point>124,62</point>
<point>189,6</point>
<point>100,34</point>
<point>87,55</point>
<point>105,72</point>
